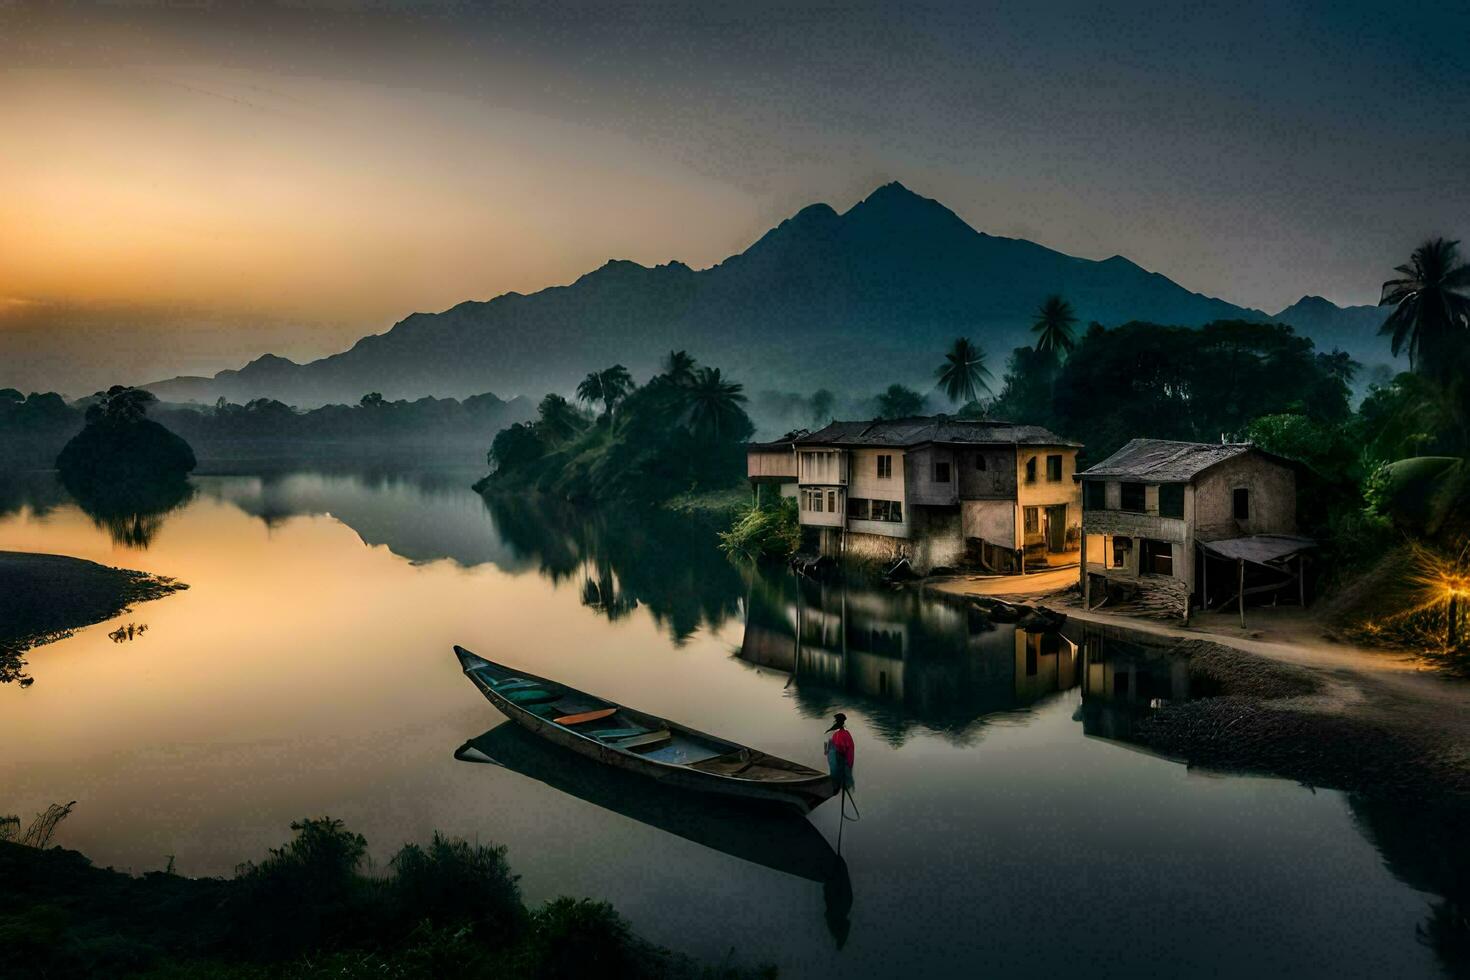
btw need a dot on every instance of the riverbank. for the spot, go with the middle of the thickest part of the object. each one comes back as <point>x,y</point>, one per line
<point>1284,697</point>
<point>44,598</point>
<point>307,911</point>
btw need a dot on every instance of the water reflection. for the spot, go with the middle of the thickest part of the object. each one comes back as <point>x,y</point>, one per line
<point>131,513</point>
<point>666,563</point>
<point>782,842</point>
<point>901,657</point>
<point>1124,679</point>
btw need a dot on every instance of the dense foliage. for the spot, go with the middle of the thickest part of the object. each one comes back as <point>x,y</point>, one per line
<point>683,430</point>
<point>1143,379</point>
<point>121,447</point>
<point>309,911</point>
<point>767,531</point>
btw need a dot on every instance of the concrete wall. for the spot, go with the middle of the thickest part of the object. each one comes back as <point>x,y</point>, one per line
<point>863,479</point>
<point>996,481</point>
<point>937,537</point>
<point>1272,498</point>
<point>918,475</point>
<point>991,520</point>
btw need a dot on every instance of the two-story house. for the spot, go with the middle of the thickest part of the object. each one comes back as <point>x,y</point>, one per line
<point>1160,517</point>
<point>938,491</point>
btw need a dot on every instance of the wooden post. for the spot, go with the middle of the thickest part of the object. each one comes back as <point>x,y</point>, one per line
<point>1241,598</point>
<point>1204,588</point>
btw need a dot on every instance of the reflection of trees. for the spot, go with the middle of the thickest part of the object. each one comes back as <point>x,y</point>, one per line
<point>1422,845</point>
<point>131,512</point>
<point>37,489</point>
<point>904,659</point>
<point>669,564</point>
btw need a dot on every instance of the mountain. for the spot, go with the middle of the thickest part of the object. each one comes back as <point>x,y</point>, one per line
<point>850,301</point>
<point>1353,329</point>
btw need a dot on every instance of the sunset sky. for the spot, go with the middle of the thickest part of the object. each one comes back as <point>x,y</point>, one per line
<point>183,189</point>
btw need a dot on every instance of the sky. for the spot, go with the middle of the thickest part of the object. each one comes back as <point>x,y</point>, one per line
<point>186,186</point>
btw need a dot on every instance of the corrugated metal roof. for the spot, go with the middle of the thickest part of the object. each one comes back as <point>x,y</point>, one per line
<point>1261,549</point>
<point>1165,461</point>
<point>925,429</point>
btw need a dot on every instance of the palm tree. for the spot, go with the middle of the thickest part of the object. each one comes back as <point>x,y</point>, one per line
<point>558,419</point>
<point>712,406</point>
<point>963,373</point>
<point>1431,316</point>
<point>1053,326</point>
<point>679,367</point>
<point>608,386</point>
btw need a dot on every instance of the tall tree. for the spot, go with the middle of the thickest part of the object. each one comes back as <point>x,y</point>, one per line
<point>963,374</point>
<point>821,405</point>
<point>678,367</point>
<point>558,419</point>
<point>1431,317</point>
<point>899,402</point>
<point>608,386</point>
<point>712,406</point>
<point>1053,327</point>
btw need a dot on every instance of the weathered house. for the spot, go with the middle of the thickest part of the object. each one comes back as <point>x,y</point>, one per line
<point>1159,518</point>
<point>938,491</point>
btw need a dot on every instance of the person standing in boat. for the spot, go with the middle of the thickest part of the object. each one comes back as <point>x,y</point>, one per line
<point>840,752</point>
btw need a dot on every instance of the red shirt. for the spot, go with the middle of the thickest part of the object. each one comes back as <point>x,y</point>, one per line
<point>842,742</point>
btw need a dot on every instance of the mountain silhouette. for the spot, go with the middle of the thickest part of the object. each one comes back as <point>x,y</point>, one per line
<point>855,300</point>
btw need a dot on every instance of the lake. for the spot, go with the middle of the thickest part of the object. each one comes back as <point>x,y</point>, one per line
<point>1008,826</point>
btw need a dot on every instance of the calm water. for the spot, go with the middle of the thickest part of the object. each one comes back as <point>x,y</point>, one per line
<point>1008,827</point>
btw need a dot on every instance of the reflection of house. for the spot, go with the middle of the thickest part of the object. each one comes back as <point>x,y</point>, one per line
<point>1159,517</point>
<point>902,655</point>
<point>1122,681</point>
<point>935,490</point>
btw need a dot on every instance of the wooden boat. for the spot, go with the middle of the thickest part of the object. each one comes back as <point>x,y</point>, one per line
<point>619,736</point>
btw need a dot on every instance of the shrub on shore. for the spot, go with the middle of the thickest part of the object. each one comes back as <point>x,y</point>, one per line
<point>766,532</point>
<point>308,911</point>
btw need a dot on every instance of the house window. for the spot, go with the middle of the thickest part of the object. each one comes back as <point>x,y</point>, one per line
<point>885,467</point>
<point>1121,548</point>
<point>980,462</point>
<point>1054,469</point>
<point>887,510</point>
<point>1031,470</point>
<point>941,472</point>
<point>817,501</point>
<point>1171,500</point>
<point>1095,495</point>
<point>832,501</point>
<point>1156,557</point>
<point>1241,503</point>
<point>857,508</point>
<point>1133,498</point>
<point>1033,520</point>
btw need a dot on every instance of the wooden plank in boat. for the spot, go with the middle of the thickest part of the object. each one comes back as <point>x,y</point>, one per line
<point>608,734</point>
<point>531,696</point>
<point>513,684</point>
<point>586,716</point>
<point>645,742</point>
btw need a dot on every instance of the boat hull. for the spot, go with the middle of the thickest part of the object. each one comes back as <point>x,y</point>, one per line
<point>801,795</point>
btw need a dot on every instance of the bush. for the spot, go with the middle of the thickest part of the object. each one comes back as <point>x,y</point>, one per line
<point>302,896</point>
<point>453,882</point>
<point>763,533</point>
<point>575,938</point>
